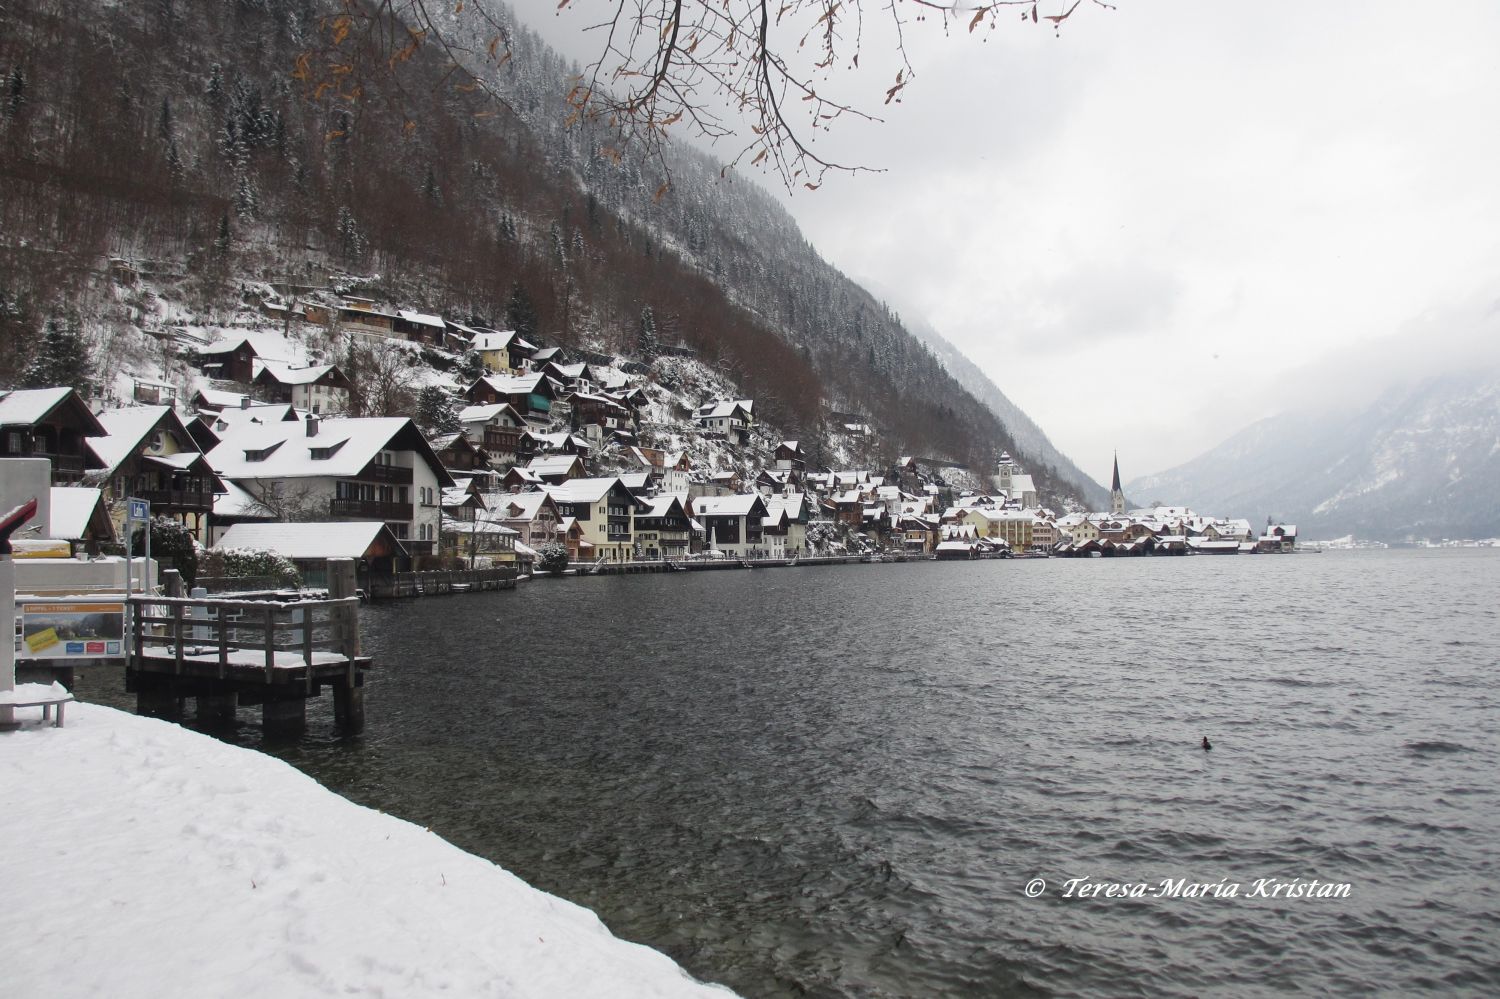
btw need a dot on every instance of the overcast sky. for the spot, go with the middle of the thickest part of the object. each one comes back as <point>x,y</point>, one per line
<point>1138,227</point>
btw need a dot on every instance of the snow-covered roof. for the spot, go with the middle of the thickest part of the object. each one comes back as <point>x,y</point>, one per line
<point>126,431</point>
<point>238,418</point>
<point>487,339</point>
<point>348,539</point>
<point>487,414</point>
<point>212,398</point>
<point>25,407</point>
<point>73,507</point>
<point>479,525</point>
<point>268,345</point>
<point>285,374</point>
<point>345,446</point>
<point>235,501</point>
<point>553,464</point>
<point>720,410</point>
<point>422,319</point>
<point>792,504</point>
<point>583,490</point>
<point>515,384</point>
<point>517,506</point>
<point>738,505</point>
<point>661,506</point>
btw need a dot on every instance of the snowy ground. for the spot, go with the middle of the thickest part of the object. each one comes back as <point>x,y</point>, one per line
<point>138,858</point>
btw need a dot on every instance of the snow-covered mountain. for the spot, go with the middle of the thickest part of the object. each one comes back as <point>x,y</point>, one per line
<point>1421,460</point>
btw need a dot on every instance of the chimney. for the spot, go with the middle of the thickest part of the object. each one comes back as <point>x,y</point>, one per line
<point>312,425</point>
<point>244,402</point>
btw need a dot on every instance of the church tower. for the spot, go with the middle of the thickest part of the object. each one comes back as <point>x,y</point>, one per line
<point>1005,480</point>
<point>1116,494</point>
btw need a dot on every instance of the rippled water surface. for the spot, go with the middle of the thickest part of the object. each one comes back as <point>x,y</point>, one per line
<point>838,781</point>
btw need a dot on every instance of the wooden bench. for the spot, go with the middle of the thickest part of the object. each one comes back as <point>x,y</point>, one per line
<point>38,695</point>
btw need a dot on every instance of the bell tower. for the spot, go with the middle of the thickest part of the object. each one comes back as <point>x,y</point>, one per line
<point>1116,494</point>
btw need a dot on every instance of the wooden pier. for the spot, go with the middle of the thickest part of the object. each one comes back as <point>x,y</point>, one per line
<point>225,653</point>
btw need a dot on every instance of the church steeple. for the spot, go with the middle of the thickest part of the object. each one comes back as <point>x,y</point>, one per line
<point>1116,494</point>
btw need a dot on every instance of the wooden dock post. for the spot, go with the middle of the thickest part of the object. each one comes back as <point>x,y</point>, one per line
<point>348,695</point>
<point>218,710</point>
<point>284,715</point>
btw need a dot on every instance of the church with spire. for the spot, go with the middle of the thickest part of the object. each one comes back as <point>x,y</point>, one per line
<point>1116,494</point>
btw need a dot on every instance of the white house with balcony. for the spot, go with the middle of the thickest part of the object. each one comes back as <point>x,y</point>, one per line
<point>373,469</point>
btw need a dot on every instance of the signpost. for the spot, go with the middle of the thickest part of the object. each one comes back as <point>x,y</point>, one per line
<point>137,511</point>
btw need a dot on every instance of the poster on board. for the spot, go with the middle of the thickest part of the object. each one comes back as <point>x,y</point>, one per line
<point>71,629</point>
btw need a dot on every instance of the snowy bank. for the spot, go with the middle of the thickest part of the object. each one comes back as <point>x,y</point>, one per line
<point>143,859</point>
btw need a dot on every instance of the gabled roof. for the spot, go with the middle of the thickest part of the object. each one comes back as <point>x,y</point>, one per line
<point>76,509</point>
<point>738,505</point>
<point>28,407</point>
<point>585,490</point>
<point>662,506</point>
<point>721,410</point>
<point>350,539</point>
<point>216,399</point>
<point>554,464</point>
<point>794,505</point>
<point>349,444</point>
<point>487,414</point>
<point>126,431</point>
<point>422,319</point>
<point>285,374</point>
<point>519,506</point>
<point>516,384</point>
<point>488,339</point>
<point>268,345</point>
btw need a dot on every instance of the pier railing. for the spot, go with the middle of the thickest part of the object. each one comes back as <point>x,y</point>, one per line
<point>217,637</point>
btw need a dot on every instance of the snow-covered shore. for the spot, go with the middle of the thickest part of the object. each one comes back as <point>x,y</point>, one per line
<point>139,858</point>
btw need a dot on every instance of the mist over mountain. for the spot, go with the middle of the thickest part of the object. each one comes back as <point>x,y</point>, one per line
<point>1029,437</point>
<point>1420,460</point>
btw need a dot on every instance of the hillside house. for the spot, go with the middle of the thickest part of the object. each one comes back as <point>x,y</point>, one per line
<point>497,428</point>
<point>663,529</point>
<point>322,388</point>
<point>341,469</point>
<point>148,453</point>
<point>604,510</point>
<point>51,423</point>
<point>732,524</point>
<point>502,352</point>
<point>529,395</point>
<point>731,419</point>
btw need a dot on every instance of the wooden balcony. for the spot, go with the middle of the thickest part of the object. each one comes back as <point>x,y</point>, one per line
<point>398,474</point>
<point>358,509</point>
<point>177,499</point>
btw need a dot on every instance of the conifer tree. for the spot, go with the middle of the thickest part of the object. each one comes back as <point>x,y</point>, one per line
<point>15,93</point>
<point>646,336</point>
<point>436,413</point>
<point>61,358</point>
<point>520,314</point>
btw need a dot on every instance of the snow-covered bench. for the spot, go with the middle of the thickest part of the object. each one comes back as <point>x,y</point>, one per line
<point>38,695</point>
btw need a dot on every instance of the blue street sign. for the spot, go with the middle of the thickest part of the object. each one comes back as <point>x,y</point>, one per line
<point>138,509</point>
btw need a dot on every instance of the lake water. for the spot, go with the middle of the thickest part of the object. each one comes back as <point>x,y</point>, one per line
<point>840,781</point>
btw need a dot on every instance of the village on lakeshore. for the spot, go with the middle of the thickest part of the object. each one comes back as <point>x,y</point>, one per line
<point>520,457</point>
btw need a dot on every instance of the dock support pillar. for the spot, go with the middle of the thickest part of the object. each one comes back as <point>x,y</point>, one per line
<point>284,716</point>
<point>348,695</point>
<point>158,702</point>
<point>217,710</point>
<point>349,709</point>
